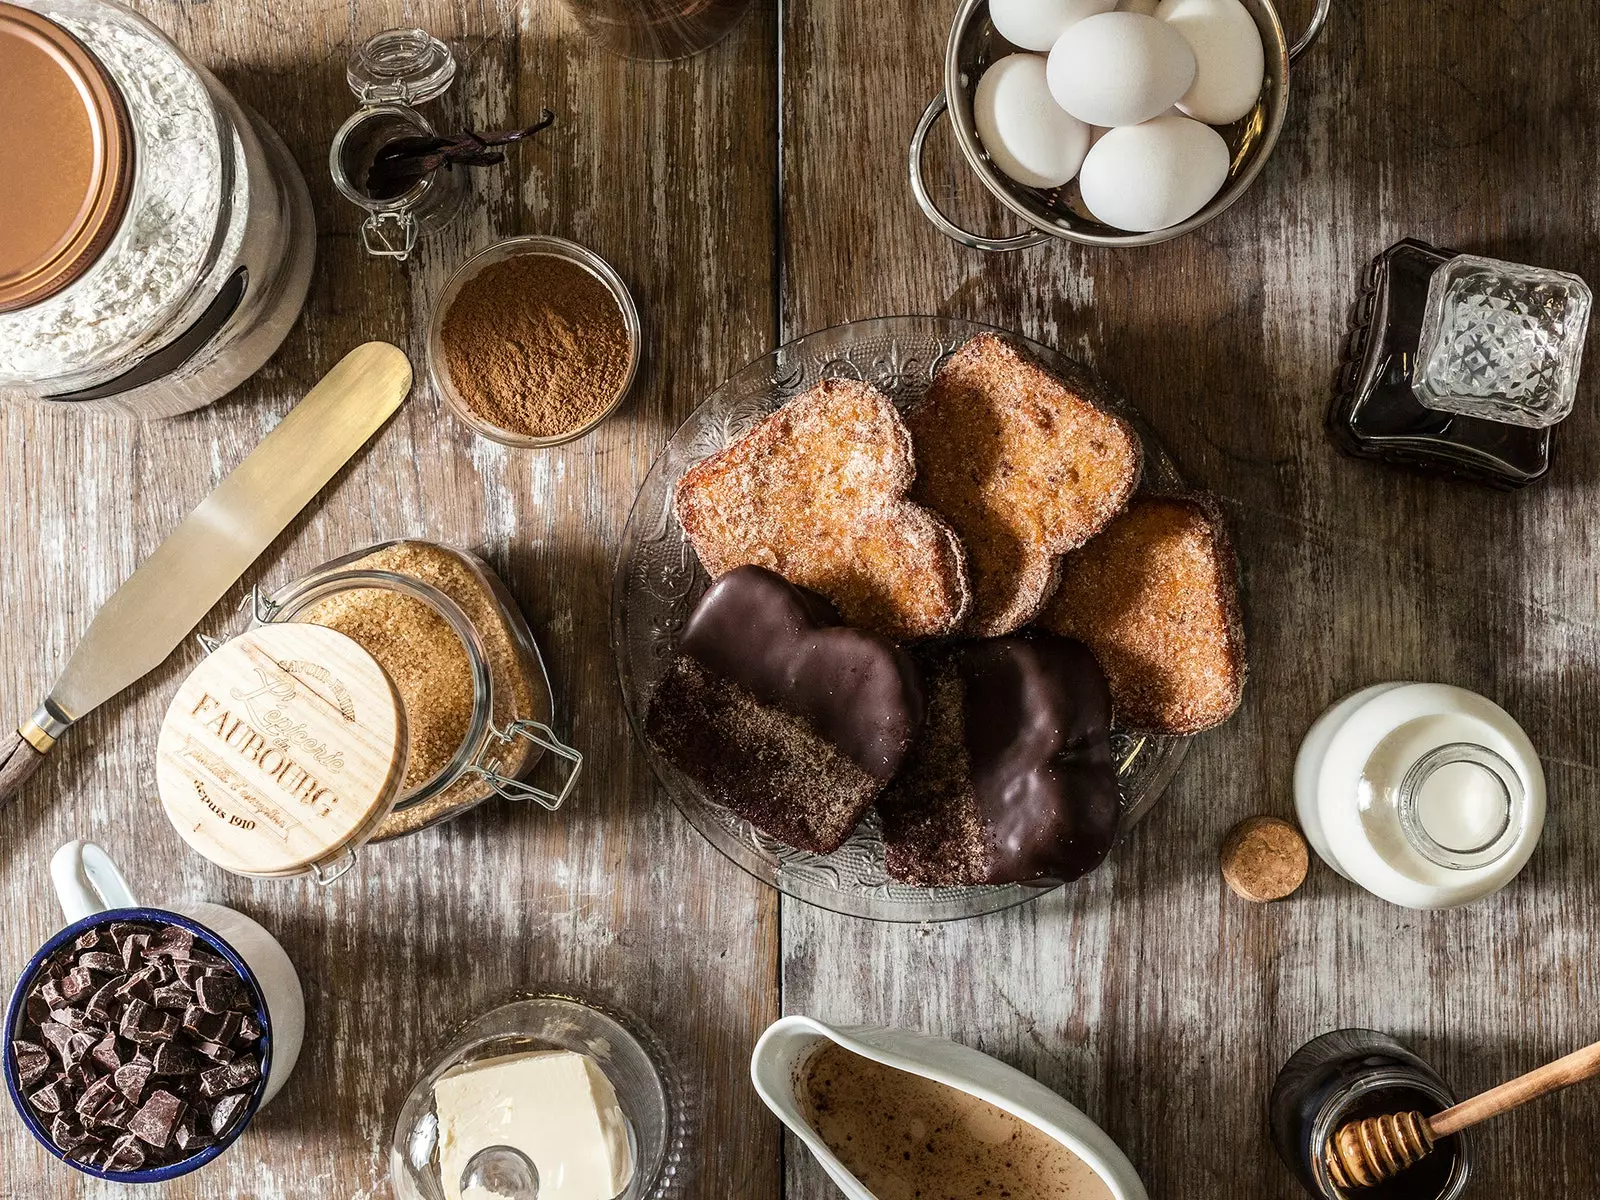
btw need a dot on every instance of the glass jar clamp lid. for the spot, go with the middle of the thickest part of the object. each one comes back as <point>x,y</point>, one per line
<point>468,670</point>
<point>390,73</point>
<point>291,746</point>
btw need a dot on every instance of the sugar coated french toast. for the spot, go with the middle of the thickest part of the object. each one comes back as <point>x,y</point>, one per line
<point>1156,598</point>
<point>1025,466</point>
<point>817,493</point>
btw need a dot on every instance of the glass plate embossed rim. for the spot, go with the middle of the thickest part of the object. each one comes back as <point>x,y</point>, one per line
<point>658,579</point>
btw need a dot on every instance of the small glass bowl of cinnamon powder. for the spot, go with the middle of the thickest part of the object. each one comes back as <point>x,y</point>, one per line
<point>534,342</point>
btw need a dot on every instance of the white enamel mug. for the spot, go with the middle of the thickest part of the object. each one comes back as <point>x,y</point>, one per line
<point>787,1044</point>
<point>87,882</point>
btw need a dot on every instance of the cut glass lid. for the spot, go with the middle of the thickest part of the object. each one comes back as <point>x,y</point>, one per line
<point>400,66</point>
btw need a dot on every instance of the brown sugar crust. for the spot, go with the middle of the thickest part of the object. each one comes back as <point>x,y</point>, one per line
<point>1026,468</point>
<point>817,493</point>
<point>1156,597</point>
<point>768,766</point>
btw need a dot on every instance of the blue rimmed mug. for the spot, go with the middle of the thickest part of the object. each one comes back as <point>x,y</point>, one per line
<point>93,892</point>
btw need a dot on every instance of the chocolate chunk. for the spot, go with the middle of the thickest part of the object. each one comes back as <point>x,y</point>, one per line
<point>131,950</point>
<point>68,1135</point>
<point>133,1017</point>
<point>72,1018</point>
<point>33,1061</point>
<point>57,1035</point>
<point>126,1154</point>
<point>93,1153</point>
<point>249,1030</point>
<point>212,1027</point>
<point>131,1080</point>
<point>108,1052</point>
<point>176,996</point>
<point>77,983</point>
<point>226,1110</point>
<point>79,1047</point>
<point>139,985</point>
<point>162,971</point>
<point>787,647</point>
<point>189,971</point>
<point>50,993</point>
<point>49,1099</point>
<point>104,1005</point>
<point>172,940</point>
<point>241,1072</point>
<point>217,1051</point>
<point>89,938</point>
<point>157,1118</point>
<point>104,961</point>
<point>95,1097</point>
<point>37,1008</point>
<point>115,1115</point>
<point>188,1138</point>
<point>220,993</point>
<point>171,1058</point>
<point>1013,779</point>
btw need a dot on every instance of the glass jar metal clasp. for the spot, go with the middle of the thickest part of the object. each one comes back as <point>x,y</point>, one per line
<point>324,875</point>
<point>543,736</point>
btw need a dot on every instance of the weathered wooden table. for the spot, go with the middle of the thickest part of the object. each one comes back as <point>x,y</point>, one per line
<point>752,194</point>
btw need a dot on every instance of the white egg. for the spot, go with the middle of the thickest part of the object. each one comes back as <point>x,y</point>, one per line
<point>1230,61</point>
<point>1024,130</point>
<point>1119,68</point>
<point>1151,176</point>
<point>1036,24</point>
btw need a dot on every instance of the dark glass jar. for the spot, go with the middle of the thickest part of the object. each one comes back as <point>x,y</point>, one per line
<point>1376,414</point>
<point>1347,1075</point>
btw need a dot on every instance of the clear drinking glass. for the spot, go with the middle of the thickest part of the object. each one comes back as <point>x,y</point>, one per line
<point>1502,341</point>
<point>660,29</point>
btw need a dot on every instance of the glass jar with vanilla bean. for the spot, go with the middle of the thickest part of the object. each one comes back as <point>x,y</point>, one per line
<point>420,695</point>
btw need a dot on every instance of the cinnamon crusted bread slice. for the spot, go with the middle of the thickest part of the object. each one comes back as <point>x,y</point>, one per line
<point>1156,598</point>
<point>817,493</point>
<point>1025,466</point>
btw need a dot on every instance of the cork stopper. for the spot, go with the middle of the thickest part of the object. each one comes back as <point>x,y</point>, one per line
<point>1264,859</point>
<point>282,751</point>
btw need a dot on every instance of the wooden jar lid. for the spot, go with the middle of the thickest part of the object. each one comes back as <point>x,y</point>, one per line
<point>282,750</point>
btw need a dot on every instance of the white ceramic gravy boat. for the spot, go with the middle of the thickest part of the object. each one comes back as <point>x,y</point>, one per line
<point>786,1045</point>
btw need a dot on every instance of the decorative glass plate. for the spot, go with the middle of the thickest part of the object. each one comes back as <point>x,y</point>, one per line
<point>658,580</point>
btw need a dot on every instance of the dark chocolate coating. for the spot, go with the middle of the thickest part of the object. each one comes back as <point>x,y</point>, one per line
<point>1037,726</point>
<point>786,647</point>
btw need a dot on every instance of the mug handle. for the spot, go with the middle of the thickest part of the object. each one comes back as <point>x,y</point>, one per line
<point>87,881</point>
<point>1318,20</point>
<point>919,188</point>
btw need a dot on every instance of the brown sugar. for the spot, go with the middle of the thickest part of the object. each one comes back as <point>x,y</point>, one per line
<point>536,345</point>
<point>430,669</point>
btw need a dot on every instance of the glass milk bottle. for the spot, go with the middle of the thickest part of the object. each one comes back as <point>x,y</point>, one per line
<point>1427,795</point>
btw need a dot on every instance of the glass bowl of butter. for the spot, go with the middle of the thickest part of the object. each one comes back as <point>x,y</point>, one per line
<point>586,1094</point>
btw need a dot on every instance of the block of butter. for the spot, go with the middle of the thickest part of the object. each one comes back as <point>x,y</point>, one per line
<point>556,1106</point>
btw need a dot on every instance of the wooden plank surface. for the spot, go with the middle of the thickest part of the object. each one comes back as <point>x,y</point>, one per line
<point>665,170</point>
<point>1147,994</point>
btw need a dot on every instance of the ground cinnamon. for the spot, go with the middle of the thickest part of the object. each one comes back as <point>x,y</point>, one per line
<point>536,345</point>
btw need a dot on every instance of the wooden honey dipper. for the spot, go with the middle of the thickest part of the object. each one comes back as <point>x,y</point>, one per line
<point>1366,1152</point>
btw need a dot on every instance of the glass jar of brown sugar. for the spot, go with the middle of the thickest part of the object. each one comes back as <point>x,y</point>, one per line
<point>451,639</point>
